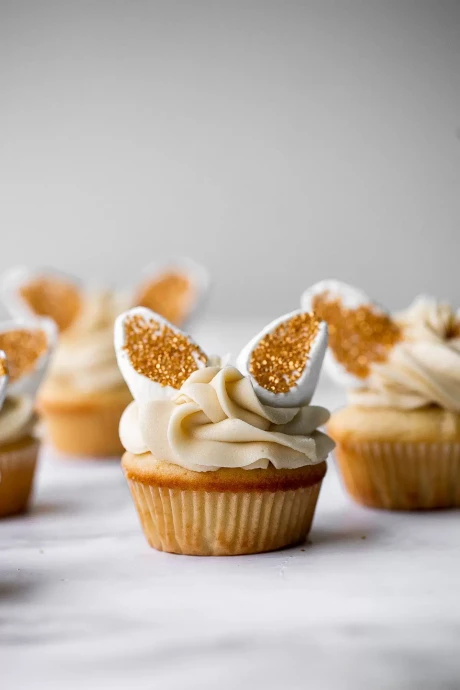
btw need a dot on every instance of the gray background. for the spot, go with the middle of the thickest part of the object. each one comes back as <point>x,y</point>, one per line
<point>278,142</point>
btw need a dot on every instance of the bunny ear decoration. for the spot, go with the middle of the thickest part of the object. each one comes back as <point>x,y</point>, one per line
<point>42,292</point>
<point>154,357</point>
<point>174,289</point>
<point>360,332</point>
<point>27,346</point>
<point>284,360</point>
<point>4,377</point>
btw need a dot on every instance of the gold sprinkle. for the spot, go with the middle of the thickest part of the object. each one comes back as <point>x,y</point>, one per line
<point>158,352</point>
<point>3,366</point>
<point>279,360</point>
<point>22,348</point>
<point>59,300</point>
<point>171,296</point>
<point>357,337</point>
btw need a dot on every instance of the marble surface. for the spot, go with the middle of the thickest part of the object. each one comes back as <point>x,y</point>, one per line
<point>370,601</point>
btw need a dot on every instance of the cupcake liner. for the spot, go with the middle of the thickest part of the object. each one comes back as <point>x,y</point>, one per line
<point>17,469</point>
<point>89,433</point>
<point>401,476</point>
<point>223,523</point>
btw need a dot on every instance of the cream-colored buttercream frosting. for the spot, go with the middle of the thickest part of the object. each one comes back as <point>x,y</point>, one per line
<point>85,358</point>
<point>216,421</point>
<point>17,418</point>
<point>424,367</point>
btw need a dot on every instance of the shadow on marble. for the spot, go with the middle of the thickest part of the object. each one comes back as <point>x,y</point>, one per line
<point>16,590</point>
<point>41,508</point>
<point>352,535</point>
<point>54,508</point>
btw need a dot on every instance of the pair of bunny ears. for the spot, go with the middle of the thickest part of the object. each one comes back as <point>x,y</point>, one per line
<point>283,361</point>
<point>175,288</point>
<point>25,350</point>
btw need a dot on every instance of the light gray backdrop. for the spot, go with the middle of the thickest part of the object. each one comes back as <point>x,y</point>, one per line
<point>278,142</point>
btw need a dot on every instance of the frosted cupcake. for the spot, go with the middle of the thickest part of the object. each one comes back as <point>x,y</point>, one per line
<point>222,461</point>
<point>84,396</point>
<point>398,440</point>
<point>24,352</point>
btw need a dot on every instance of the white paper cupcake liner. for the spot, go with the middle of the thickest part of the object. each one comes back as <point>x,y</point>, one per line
<point>223,523</point>
<point>401,476</point>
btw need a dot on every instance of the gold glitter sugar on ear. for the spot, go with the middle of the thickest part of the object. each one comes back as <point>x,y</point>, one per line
<point>358,336</point>
<point>160,353</point>
<point>50,296</point>
<point>3,365</point>
<point>23,348</point>
<point>171,295</point>
<point>284,360</point>
<point>280,358</point>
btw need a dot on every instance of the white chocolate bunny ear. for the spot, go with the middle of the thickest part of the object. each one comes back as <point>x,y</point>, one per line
<point>4,377</point>
<point>175,289</point>
<point>154,357</point>
<point>28,345</point>
<point>40,292</point>
<point>360,331</point>
<point>284,360</point>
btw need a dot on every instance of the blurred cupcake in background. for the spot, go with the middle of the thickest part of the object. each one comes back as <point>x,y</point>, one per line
<point>25,348</point>
<point>398,440</point>
<point>84,395</point>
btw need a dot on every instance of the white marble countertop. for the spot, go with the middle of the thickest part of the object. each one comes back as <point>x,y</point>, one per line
<point>371,601</point>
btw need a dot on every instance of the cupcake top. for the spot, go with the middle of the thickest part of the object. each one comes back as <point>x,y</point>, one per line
<point>406,361</point>
<point>85,359</point>
<point>25,349</point>
<point>190,410</point>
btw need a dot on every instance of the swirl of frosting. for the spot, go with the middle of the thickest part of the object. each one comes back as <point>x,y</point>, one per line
<point>85,358</point>
<point>424,367</point>
<point>216,421</point>
<point>17,418</point>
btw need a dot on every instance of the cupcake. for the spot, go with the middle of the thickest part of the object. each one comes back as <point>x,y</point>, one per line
<point>25,348</point>
<point>220,460</point>
<point>84,396</point>
<point>398,440</point>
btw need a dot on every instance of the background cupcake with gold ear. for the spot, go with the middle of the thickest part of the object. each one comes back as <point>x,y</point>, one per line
<point>219,460</point>
<point>398,440</point>
<point>84,396</point>
<point>25,348</point>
